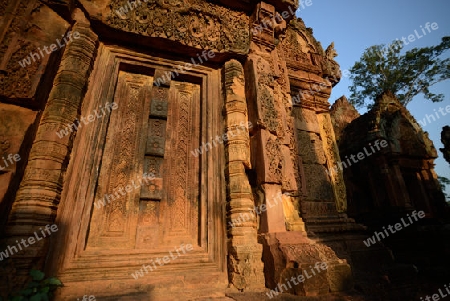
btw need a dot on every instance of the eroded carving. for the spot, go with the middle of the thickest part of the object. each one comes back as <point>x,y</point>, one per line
<point>331,68</point>
<point>19,79</point>
<point>332,155</point>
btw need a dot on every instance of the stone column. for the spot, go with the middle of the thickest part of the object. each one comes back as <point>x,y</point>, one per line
<point>37,199</point>
<point>244,253</point>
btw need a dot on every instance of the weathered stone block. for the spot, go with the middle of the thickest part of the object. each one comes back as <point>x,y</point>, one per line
<point>24,37</point>
<point>272,219</point>
<point>239,186</point>
<point>316,283</point>
<point>245,268</point>
<point>239,151</point>
<point>267,157</point>
<point>289,183</point>
<point>14,123</point>
<point>310,147</point>
<point>340,277</point>
<point>306,120</point>
<point>292,216</point>
<point>292,254</point>
<point>318,186</point>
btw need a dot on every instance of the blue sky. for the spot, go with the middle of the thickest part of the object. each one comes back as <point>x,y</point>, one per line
<point>355,25</point>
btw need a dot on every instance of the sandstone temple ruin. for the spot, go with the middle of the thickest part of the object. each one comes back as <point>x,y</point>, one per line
<point>180,150</point>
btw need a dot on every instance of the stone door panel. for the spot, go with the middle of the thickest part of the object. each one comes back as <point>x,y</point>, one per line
<point>154,130</point>
<point>147,176</point>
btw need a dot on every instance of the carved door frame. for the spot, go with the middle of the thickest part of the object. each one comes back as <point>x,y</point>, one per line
<point>69,259</point>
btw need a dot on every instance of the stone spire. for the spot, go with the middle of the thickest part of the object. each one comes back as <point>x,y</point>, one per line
<point>342,114</point>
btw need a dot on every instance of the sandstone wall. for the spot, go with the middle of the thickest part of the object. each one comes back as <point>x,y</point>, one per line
<point>263,69</point>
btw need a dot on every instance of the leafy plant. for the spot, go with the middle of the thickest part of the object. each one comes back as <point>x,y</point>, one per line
<point>443,181</point>
<point>384,68</point>
<point>39,289</point>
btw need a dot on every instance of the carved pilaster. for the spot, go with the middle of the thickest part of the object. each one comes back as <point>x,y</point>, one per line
<point>273,143</point>
<point>332,156</point>
<point>36,203</point>
<point>244,260</point>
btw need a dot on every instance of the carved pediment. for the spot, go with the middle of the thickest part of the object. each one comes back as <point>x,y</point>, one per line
<point>192,23</point>
<point>249,5</point>
<point>303,52</point>
<point>299,49</point>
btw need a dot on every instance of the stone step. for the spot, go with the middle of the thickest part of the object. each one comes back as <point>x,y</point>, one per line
<point>288,297</point>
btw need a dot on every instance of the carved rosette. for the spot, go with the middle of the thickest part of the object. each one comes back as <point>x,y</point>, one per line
<point>273,144</point>
<point>332,156</point>
<point>36,203</point>
<point>193,23</point>
<point>244,260</point>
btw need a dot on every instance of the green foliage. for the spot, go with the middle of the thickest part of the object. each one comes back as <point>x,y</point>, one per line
<point>384,68</point>
<point>39,289</point>
<point>443,181</point>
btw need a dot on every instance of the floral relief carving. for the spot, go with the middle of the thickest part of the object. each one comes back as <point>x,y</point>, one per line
<point>275,158</point>
<point>190,22</point>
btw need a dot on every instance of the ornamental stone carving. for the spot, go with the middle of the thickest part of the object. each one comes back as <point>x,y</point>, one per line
<point>193,23</point>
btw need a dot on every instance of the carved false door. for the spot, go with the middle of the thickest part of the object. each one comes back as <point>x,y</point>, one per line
<point>153,131</point>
